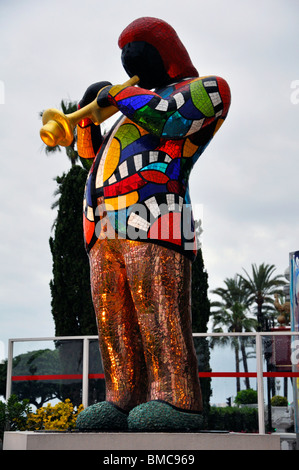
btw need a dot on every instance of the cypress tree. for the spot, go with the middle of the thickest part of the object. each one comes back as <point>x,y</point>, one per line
<point>200,316</point>
<point>71,303</point>
<point>200,302</point>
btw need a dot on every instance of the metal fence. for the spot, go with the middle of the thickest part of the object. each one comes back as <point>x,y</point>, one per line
<point>80,363</point>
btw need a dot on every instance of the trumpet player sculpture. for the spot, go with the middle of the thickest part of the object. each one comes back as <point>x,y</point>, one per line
<point>139,231</point>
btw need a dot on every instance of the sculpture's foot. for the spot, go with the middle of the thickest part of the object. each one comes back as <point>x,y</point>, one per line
<point>161,416</point>
<point>102,416</point>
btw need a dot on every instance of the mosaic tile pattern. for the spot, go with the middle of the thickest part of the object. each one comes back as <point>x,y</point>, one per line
<point>151,152</point>
<point>138,225</point>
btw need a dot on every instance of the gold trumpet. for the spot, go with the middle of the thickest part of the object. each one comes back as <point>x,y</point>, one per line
<point>58,128</point>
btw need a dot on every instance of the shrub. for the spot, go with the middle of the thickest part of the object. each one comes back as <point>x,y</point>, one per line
<point>233,419</point>
<point>278,400</point>
<point>61,416</point>
<point>13,415</point>
<point>246,397</point>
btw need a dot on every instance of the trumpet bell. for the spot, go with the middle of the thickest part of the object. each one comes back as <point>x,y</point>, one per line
<point>57,129</point>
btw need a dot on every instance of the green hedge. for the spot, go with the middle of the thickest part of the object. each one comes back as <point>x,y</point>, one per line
<point>245,397</point>
<point>233,419</point>
<point>13,416</point>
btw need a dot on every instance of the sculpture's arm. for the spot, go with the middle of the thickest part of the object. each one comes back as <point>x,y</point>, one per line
<point>89,137</point>
<point>192,106</point>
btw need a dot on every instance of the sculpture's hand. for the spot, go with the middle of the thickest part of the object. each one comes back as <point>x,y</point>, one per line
<point>91,93</point>
<point>102,98</point>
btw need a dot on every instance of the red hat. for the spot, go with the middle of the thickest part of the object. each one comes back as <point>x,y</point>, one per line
<point>163,37</point>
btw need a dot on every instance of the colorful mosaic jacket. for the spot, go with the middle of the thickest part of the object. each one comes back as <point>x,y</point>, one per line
<point>137,187</point>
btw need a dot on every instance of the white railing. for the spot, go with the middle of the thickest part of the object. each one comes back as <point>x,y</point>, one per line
<point>85,367</point>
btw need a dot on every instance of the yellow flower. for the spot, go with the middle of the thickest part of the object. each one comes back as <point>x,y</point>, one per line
<point>61,416</point>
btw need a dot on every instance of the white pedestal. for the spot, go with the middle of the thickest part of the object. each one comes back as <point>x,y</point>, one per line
<point>28,440</point>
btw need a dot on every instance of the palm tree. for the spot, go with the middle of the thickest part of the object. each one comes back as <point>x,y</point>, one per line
<point>232,312</point>
<point>261,286</point>
<point>67,108</point>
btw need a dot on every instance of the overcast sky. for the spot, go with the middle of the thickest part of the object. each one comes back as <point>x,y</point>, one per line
<point>246,182</point>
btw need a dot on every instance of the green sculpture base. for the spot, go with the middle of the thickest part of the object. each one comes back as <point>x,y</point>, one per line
<point>153,416</point>
<point>103,416</point>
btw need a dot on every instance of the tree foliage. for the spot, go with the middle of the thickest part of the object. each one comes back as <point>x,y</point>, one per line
<point>13,415</point>
<point>232,312</point>
<point>71,303</point>
<point>200,306</point>
<point>38,392</point>
<point>261,286</point>
<point>246,304</point>
<point>233,308</point>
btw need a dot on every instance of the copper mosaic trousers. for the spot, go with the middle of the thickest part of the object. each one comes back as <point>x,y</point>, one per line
<point>141,295</point>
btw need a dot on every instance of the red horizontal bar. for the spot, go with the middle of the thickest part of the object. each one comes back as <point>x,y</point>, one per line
<point>46,377</point>
<point>96,376</point>
<point>55,377</point>
<point>281,374</point>
<point>227,374</point>
<point>18,378</point>
<point>248,374</point>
